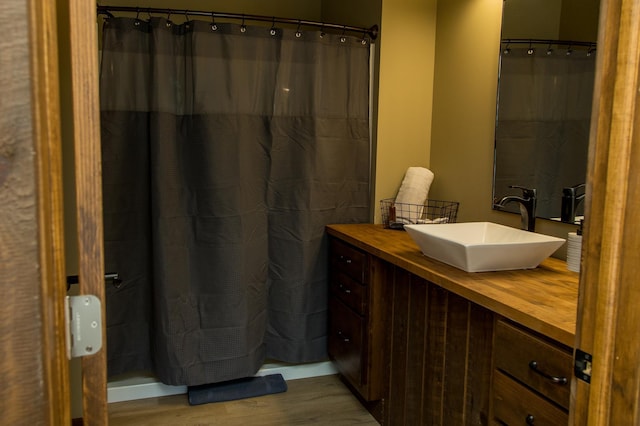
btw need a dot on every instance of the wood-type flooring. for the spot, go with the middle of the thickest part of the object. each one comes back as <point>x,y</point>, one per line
<point>321,400</point>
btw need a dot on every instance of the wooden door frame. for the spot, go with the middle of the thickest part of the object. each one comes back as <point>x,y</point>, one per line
<point>32,249</point>
<point>33,366</point>
<point>608,319</point>
<point>85,97</point>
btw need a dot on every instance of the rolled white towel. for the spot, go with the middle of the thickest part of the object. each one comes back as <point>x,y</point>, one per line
<point>413,191</point>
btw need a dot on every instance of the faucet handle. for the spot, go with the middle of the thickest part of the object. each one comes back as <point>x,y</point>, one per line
<point>526,192</point>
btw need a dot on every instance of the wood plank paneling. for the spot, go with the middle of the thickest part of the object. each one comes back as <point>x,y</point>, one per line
<point>479,367</point>
<point>436,340</point>
<point>440,356</point>
<point>417,351</point>
<point>457,329</point>
<point>399,347</point>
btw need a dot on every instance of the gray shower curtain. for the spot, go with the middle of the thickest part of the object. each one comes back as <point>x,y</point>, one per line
<point>543,122</point>
<point>225,153</point>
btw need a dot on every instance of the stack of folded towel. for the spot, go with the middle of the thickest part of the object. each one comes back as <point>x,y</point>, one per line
<point>412,195</point>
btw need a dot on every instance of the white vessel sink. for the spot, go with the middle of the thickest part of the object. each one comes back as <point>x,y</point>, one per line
<point>483,246</point>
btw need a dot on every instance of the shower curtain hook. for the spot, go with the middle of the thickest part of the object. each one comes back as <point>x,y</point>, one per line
<point>273,31</point>
<point>364,37</point>
<point>569,50</point>
<point>214,27</point>
<point>322,31</point>
<point>298,33</point>
<point>531,49</point>
<point>243,27</point>
<point>149,13</point>
<point>506,50</point>
<point>549,50</point>
<point>168,19</point>
<point>342,37</point>
<point>137,21</point>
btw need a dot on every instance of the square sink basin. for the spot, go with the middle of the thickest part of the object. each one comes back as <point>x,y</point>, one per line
<point>483,246</point>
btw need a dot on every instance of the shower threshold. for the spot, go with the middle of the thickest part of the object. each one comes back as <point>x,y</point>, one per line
<point>144,385</point>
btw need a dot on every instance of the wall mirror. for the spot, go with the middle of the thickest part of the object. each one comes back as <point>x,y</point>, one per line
<point>545,89</point>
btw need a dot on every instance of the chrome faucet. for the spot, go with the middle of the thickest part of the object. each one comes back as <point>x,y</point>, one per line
<point>527,204</point>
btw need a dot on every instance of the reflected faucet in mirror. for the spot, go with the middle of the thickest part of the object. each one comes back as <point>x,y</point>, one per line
<point>570,201</point>
<point>527,204</point>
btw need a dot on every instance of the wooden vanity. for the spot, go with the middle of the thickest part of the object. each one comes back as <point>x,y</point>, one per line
<point>421,342</point>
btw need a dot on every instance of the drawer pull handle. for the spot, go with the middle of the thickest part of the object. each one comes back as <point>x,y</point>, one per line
<point>344,338</point>
<point>344,289</point>
<point>558,380</point>
<point>529,419</point>
<point>344,259</point>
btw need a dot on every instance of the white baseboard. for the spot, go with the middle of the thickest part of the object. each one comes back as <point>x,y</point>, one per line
<point>140,387</point>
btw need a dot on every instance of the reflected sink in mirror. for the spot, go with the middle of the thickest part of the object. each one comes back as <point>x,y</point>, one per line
<point>483,246</point>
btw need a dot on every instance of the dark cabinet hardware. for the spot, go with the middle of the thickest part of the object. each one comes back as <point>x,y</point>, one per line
<point>558,380</point>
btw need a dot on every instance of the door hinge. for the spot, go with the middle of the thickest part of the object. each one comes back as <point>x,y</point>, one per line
<point>582,365</point>
<point>84,325</point>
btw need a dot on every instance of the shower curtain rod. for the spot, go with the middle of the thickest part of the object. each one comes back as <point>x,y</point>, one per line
<point>571,43</point>
<point>106,10</point>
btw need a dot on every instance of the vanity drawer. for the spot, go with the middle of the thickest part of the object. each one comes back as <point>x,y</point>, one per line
<point>514,404</point>
<point>345,337</point>
<point>537,363</point>
<point>349,260</point>
<point>349,291</point>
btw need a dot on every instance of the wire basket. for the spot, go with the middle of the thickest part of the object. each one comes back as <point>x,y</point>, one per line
<point>396,215</point>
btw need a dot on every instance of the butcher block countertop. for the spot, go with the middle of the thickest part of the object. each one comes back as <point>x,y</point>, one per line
<point>543,299</point>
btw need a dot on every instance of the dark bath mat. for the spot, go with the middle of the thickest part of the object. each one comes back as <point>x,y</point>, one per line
<point>237,389</point>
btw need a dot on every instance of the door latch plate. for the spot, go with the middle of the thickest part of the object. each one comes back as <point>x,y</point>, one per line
<point>582,365</point>
<point>84,320</point>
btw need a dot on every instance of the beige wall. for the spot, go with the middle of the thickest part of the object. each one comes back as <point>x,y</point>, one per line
<point>579,20</point>
<point>532,19</point>
<point>464,102</point>
<point>310,10</point>
<point>405,97</point>
<point>465,85</point>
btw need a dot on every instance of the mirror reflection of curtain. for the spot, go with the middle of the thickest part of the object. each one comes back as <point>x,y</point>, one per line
<point>225,153</point>
<point>542,130</point>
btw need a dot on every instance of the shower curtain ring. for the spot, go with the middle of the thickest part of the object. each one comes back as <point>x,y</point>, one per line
<point>531,49</point>
<point>214,27</point>
<point>298,33</point>
<point>273,31</point>
<point>186,15</point>
<point>342,37</point>
<point>549,50</point>
<point>322,33</point>
<point>137,21</point>
<point>364,38</point>
<point>243,27</point>
<point>169,19</point>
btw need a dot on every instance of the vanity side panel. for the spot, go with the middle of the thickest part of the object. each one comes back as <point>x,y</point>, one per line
<point>480,365</point>
<point>436,339</point>
<point>417,351</point>
<point>400,321</point>
<point>440,356</point>
<point>457,329</point>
